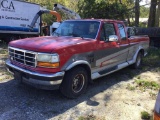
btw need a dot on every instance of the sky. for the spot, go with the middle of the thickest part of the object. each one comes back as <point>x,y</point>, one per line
<point>143,2</point>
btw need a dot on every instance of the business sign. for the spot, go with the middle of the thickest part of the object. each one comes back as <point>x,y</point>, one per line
<point>6,5</point>
<point>17,15</point>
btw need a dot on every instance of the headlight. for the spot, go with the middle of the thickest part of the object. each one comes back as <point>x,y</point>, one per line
<point>48,60</point>
<point>47,57</point>
<point>157,108</point>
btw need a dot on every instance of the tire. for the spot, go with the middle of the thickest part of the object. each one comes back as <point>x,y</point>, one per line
<point>74,83</point>
<point>138,62</point>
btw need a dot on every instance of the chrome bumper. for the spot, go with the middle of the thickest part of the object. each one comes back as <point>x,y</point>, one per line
<point>39,80</point>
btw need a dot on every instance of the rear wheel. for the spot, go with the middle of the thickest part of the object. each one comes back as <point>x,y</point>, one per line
<point>138,62</point>
<point>74,83</point>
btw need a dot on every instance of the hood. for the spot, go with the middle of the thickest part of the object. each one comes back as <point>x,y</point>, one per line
<point>46,44</point>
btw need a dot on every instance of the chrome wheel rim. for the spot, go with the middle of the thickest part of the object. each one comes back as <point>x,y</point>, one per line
<point>78,83</point>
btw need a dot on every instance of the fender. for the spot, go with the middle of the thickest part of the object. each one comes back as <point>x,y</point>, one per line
<point>135,56</point>
<point>79,62</point>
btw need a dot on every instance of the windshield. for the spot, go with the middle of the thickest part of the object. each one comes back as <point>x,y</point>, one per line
<point>84,29</point>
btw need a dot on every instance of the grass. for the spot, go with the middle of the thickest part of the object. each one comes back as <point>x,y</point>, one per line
<point>145,115</point>
<point>138,77</point>
<point>90,117</point>
<point>153,58</point>
<point>130,87</point>
<point>3,70</point>
<point>4,51</point>
<point>2,62</point>
<point>4,74</point>
<point>147,84</point>
<point>3,48</point>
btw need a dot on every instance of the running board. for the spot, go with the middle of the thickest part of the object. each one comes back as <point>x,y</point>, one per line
<point>108,70</point>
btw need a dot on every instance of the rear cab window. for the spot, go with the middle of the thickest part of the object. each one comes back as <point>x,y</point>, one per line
<point>131,31</point>
<point>122,32</point>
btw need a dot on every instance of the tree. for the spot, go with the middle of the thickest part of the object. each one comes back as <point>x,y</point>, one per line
<point>102,9</point>
<point>152,14</point>
<point>137,12</point>
<point>49,19</point>
<point>158,15</point>
<point>144,12</point>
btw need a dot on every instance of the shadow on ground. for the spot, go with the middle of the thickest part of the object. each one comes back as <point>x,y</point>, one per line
<point>24,102</point>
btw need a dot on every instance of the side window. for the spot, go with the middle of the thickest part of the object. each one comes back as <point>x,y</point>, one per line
<point>103,37</point>
<point>122,32</point>
<point>108,29</point>
<point>130,31</point>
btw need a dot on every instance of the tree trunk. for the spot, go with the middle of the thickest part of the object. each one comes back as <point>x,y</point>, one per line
<point>128,20</point>
<point>137,12</point>
<point>152,14</point>
<point>158,15</point>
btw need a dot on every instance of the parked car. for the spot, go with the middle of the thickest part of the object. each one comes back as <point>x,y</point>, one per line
<point>78,52</point>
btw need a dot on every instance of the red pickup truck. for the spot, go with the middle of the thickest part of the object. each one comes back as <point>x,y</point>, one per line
<point>78,52</point>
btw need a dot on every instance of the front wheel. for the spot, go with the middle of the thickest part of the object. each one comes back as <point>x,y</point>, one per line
<point>74,83</point>
<point>138,62</point>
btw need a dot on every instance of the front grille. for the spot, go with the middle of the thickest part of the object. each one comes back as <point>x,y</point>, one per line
<point>23,56</point>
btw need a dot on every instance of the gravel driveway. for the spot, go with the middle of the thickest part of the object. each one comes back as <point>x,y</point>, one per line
<point>107,99</point>
<point>24,102</point>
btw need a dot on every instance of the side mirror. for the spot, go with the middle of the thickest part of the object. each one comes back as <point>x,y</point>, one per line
<point>113,38</point>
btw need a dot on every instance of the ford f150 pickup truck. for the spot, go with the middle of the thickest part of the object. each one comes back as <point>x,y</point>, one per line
<point>78,52</point>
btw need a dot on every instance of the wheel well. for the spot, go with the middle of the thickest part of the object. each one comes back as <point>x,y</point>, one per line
<point>87,68</point>
<point>142,51</point>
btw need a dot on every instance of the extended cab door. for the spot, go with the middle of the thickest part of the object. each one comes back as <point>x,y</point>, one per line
<point>107,55</point>
<point>123,42</point>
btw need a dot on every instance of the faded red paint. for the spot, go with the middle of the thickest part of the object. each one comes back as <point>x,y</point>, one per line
<point>68,46</point>
<point>64,46</point>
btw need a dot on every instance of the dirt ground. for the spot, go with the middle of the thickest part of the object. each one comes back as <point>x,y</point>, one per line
<point>114,97</point>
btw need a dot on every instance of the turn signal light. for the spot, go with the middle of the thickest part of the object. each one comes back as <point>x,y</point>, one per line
<point>156,116</point>
<point>48,64</point>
